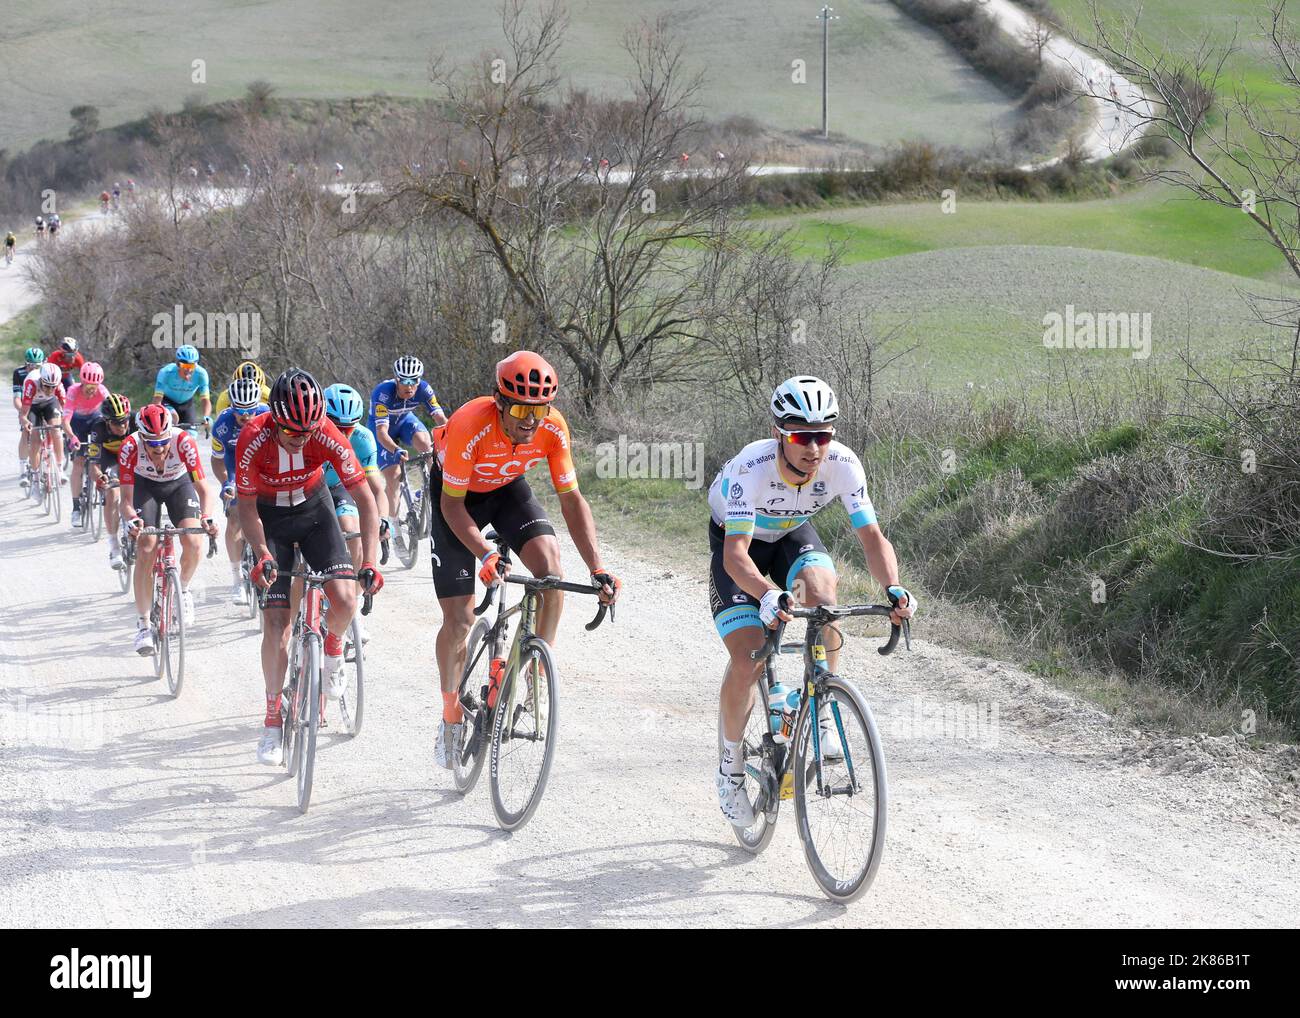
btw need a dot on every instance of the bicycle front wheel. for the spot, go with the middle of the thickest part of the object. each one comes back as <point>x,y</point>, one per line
<point>96,514</point>
<point>524,729</point>
<point>842,818</point>
<point>125,574</point>
<point>474,679</point>
<point>174,634</point>
<point>308,717</point>
<point>352,702</point>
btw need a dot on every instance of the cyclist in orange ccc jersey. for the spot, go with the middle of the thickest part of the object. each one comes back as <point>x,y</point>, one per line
<point>483,452</point>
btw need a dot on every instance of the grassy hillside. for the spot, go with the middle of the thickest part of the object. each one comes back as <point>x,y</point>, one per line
<point>891,79</point>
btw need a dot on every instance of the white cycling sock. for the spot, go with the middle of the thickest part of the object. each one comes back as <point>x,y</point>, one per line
<point>733,762</point>
<point>235,574</point>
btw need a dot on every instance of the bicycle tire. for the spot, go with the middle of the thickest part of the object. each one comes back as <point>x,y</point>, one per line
<point>758,835</point>
<point>465,771</point>
<point>159,626</point>
<point>97,514</point>
<point>407,539</point>
<point>353,701</point>
<point>175,637</point>
<point>426,506</point>
<point>843,888</point>
<point>309,723</point>
<point>509,713</point>
<point>291,705</point>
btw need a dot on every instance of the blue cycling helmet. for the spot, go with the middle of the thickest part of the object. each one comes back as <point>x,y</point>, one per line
<point>187,355</point>
<point>344,405</point>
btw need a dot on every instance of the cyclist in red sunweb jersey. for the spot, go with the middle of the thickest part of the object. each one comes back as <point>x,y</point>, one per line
<point>283,500</point>
<point>160,466</point>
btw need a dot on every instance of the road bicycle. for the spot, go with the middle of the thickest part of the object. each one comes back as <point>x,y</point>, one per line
<point>302,707</point>
<point>414,521</point>
<point>510,702</point>
<point>166,619</point>
<point>45,482</point>
<point>840,802</point>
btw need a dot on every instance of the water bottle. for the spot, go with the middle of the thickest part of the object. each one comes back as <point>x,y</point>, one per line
<point>496,675</point>
<point>776,698</point>
<point>790,712</point>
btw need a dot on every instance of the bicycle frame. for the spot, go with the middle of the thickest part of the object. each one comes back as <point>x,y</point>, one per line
<point>814,674</point>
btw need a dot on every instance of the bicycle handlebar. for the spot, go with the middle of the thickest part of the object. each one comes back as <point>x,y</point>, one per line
<point>550,583</point>
<point>305,574</point>
<point>825,613</point>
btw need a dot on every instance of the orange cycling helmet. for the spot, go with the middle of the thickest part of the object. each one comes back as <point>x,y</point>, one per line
<point>526,377</point>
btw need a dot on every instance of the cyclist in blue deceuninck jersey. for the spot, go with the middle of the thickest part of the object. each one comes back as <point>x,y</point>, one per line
<point>177,386</point>
<point>246,402</point>
<point>393,406</point>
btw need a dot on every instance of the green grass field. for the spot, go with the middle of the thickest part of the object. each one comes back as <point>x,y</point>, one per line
<point>891,78</point>
<point>1156,220</point>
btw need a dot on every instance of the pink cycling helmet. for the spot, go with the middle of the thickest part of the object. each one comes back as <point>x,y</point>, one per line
<point>92,373</point>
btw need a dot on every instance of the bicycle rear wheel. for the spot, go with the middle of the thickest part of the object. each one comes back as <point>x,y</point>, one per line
<point>352,702</point>
<point>174,636</point>
<point>842,821</point>
<point>95,501</point>
<point>406,539</point>
<point>127,572</point>
<point>761,784</point>
<point>524,729</point>
<point>308,717</point>
<point>473,680</point>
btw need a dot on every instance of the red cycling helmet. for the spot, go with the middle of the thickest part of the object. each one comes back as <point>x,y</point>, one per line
<point>297,401</point>
<point>155,421</point>
<point>525,377</point>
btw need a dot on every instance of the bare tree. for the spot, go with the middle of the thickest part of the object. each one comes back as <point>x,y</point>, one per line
<point>613,254</point>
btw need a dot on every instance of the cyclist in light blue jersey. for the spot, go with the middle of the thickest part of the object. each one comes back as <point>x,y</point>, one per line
<point>345,408</point>
<point>393,406</point>
<point>177,386</point>
<point>246,402</point>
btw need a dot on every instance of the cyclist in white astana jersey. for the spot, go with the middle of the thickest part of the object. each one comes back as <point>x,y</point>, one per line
<point>764,546</point>
<point>749,495</point>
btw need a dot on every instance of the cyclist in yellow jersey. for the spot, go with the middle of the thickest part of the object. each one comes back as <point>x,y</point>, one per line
<point>247,369</point>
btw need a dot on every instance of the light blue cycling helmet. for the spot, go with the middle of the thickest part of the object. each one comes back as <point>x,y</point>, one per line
<point>344,405</point>
<point>187,355</point>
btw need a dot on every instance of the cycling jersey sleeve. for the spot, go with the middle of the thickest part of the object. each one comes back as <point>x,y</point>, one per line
<point>739,518</point>
<point>126,457</point>
<point>367,450</point>
<point>559,456</point>
<point>429,398</point>
<point>379,405</point>
<point>160,383</point>
<point>457,467</point>
<point>854,498</point>
<point>188,447</point>
<point>338,451</point>
<point>202,374</point>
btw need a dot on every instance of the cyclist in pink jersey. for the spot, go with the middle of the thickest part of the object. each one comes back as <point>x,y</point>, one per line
<point>81,405</point>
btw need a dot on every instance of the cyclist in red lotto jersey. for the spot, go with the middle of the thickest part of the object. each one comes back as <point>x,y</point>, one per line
<point>280,463</point>
<point>160,466</point>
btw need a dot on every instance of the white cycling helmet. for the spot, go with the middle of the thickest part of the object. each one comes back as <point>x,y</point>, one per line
<point>805,398</point>
<point>51,374</point>
<point>245,394</point>
<point>408,366</point>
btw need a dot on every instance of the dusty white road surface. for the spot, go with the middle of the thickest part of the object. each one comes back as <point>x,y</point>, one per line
<point>120,806</point>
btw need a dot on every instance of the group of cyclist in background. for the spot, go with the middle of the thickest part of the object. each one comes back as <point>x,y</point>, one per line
<point>298,469</point>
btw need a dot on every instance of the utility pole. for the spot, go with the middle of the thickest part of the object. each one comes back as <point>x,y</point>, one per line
<point>826,17</point>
